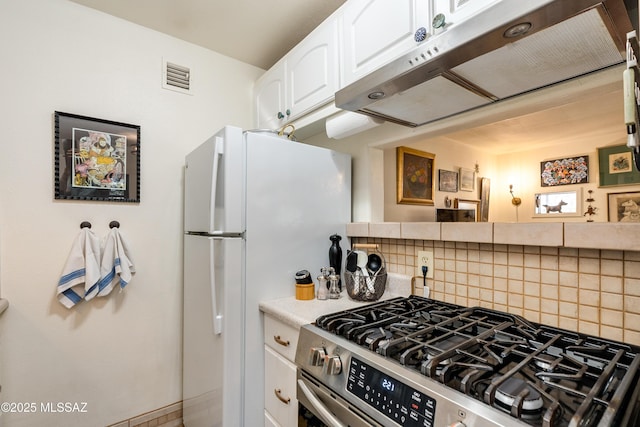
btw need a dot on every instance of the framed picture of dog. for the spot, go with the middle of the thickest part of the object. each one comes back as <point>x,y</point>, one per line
<point>624,207</point>
<point>558,203</point>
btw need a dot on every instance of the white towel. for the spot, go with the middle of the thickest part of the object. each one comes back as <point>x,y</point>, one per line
<point>116,265</point>
<point>82,270</point>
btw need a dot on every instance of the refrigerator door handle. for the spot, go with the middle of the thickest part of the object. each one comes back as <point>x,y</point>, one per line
<point>216,317</point>
<point>217,154</point>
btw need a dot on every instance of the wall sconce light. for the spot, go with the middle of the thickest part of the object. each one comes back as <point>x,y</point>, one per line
<point>515,201</point>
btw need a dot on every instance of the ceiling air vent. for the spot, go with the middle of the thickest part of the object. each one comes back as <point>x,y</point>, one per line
<point>176,77</point>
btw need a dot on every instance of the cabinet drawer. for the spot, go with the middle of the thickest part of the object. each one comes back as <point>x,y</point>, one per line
<point>281,337</point>
<point>280,388</point>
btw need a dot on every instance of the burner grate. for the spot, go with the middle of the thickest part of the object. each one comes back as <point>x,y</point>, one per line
<point>544,376</point>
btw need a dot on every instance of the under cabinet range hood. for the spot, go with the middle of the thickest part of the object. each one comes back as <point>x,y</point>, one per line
<point>507,49</point>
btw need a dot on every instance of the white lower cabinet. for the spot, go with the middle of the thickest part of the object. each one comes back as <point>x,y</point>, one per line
<point>280,403</point>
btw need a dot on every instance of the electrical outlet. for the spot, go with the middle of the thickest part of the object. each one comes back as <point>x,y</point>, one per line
<point>425,258</point>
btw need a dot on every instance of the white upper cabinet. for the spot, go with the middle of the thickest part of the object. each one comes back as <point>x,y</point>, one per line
<point>358,38</point>
<point>312,69</point>
<point>304,79</point>
<point>456,11</point>
<point>269,98</point>
<point>377,31</point>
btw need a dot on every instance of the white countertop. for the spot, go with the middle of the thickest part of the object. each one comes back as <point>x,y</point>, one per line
<point>296,312</point>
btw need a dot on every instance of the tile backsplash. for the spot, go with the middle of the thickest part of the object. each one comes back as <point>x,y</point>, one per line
<point>592,291</point>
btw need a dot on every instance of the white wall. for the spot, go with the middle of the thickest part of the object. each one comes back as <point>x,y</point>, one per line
<point>121,354</point>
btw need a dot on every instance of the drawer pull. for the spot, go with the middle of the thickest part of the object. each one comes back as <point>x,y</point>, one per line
<point>278,393</point>
<point>281,341</point>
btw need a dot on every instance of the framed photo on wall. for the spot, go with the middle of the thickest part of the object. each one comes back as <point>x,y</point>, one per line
<point>448,181</point>
<point>95,159</point>
<point>624,207</point>
<point>565,171</point>
<point>415,175</point>
<point>616,166</point>
<point>558,203</point>
<point>467,179</point>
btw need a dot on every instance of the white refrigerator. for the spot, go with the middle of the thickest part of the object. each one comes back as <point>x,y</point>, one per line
<point>258,208</point>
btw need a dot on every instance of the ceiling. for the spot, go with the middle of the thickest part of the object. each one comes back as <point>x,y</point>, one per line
<point>260,32</point>
<point>257,32</point>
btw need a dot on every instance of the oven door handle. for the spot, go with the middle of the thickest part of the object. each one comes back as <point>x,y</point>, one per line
<point>317,404</point>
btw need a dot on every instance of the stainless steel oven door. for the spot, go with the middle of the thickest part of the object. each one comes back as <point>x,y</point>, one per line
<point>327,406</point>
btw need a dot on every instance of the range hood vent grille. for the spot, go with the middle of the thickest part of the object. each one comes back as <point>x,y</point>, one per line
<point>176,77</point>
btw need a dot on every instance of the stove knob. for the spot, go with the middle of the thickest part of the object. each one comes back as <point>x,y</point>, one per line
<point>317,356</point>
<point>332,365</point>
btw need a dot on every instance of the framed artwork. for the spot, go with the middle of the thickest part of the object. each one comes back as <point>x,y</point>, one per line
<point>624,207</point>
<point>485,192</point>
<point>616,167</point>
<point>558,203</point>
<point>468,204</point>
<point>95,159</point>
<point>572,170</point>
<point>448,181</point>
<point>415,176</point>
<point>467,179</point>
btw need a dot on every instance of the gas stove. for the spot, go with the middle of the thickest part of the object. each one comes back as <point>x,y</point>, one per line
<point>420,362</point>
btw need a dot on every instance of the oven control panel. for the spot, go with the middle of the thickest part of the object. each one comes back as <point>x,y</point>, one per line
<point>389,396</point>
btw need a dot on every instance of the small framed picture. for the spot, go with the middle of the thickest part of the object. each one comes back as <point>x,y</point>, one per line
<point>448,181</point>
<point>624,207</point>
<point>414,176</point>
<point>559,203</point>
<point>616,167</point>
<point>467,179</point>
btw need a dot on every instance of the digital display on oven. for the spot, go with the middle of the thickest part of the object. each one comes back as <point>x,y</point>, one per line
<point>394,399</point>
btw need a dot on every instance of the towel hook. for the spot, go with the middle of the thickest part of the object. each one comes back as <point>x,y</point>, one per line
<point>114,224</point>
<point>85,224</point>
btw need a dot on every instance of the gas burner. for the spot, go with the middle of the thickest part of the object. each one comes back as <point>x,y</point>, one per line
<point>546,362</point>
<point>516,388</point>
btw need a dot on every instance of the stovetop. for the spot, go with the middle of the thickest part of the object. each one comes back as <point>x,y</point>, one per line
<point>541,375</point>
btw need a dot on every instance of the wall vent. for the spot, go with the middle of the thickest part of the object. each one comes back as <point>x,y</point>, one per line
<point>176,77</point>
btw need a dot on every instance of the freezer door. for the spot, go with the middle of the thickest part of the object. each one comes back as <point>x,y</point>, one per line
<point>213,331</point>
<point>214,184</point>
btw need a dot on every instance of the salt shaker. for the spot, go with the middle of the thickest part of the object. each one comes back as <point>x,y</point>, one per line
<point>334,290</point>
<point>323,292</point>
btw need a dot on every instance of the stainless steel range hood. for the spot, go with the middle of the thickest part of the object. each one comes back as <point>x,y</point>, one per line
<point>509,48</point>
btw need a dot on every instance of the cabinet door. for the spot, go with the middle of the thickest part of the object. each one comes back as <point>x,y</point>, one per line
<point>280,388</point>
<point>456,11</point>
<point>312,70</point>
<point>269,98</point>
<point>378,31</point>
